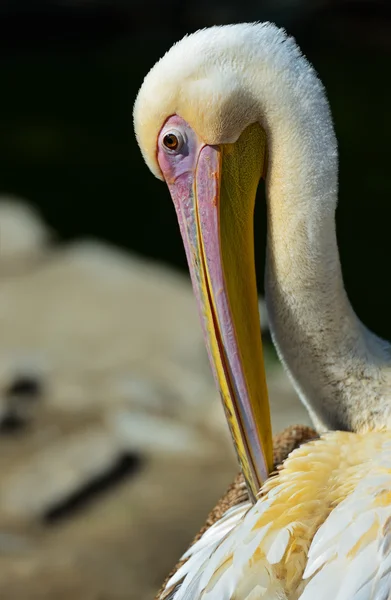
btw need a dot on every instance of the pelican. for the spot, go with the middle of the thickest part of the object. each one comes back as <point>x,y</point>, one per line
<point>223,108</point>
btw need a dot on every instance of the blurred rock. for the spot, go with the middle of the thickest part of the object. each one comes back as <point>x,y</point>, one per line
<point>23,236</point>
<point>96,327</point>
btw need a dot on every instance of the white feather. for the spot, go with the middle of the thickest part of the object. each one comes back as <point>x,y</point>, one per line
<point>350,554</point>
<point>199,553</point>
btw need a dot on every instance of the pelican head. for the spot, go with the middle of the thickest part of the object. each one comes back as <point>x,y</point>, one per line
<point>202,119</point>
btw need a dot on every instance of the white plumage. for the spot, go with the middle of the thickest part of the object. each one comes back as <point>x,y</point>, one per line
<point>340,488</point>
<point>321,528</point>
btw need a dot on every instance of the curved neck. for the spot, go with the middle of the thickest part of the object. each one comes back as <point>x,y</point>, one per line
<point>336,364</point>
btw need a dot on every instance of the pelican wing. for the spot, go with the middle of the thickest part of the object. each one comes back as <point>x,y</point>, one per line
<point>241,554</point>
<point>322,529</point>
<point>183,584</point>
<point>350,555</point>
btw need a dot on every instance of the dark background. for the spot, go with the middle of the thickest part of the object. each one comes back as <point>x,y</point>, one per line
<point>70,71</point>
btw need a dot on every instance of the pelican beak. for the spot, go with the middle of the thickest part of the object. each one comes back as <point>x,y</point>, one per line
<point>215,214</point>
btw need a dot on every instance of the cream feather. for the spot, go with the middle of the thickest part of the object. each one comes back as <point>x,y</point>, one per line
<point>321,528</point>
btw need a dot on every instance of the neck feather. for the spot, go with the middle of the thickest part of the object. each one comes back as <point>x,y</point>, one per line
<point>337,366</point>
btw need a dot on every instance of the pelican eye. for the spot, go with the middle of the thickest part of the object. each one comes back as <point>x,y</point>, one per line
<point>173,141</point>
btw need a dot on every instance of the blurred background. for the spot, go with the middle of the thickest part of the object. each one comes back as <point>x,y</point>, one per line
<point>113,446</point>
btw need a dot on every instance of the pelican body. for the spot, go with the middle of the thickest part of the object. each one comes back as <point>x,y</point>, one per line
<point>222,109</point>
